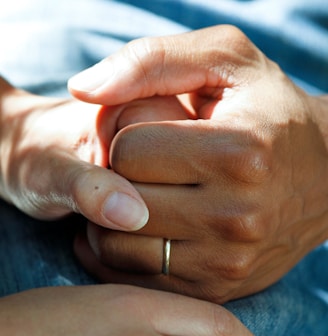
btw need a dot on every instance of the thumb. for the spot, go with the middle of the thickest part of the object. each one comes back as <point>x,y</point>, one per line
<point>95,192</point>
<point>107,199</point>
<point>172,65</point>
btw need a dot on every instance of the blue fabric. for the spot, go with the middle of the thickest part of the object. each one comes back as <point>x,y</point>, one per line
<point>43,43</point>
<point>37,254</point>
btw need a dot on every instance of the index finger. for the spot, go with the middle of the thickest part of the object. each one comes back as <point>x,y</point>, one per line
<point>172,65</point>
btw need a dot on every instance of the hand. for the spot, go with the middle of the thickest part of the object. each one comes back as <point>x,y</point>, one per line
<point>112,310</point>
<point>54,157</point>
<point>241,192</point>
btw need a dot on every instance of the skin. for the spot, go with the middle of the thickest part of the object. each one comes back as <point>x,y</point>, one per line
<point>41,135</point>
<point>54,161</point>
<point>112,310</point>
<point>241,191</point>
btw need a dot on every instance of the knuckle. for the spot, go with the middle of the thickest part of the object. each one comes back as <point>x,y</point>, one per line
<point>244,228</point>
<point>147,57</point>
<point>234,33</point>
<point>241,44</point>
<point>248,165</point>
<point>239,219</point>
<point>256,166</point>
<point>236,47</point>
<point>239,267</point>
<point>231,266</point>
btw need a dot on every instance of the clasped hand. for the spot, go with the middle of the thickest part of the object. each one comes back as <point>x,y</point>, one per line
<point>239,186</point>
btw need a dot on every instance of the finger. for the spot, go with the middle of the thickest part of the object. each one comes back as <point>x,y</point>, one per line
<point>105,273</point>
<point>119,205</point>
<point>137,253</point>
<point>188,280</point>
<point>97,193</point>
<point>127,253</point>
<point>183,212</point>
<point>168,165</point>
<point>126,214</point>
<point>162,66</point>
<point>151,110</point>
<point>174,209</point>
<point>185,152</point>
<point>192,266</point>
<point>198,252</point>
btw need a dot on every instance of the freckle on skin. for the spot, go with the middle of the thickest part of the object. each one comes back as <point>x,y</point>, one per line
<point>96,187</point>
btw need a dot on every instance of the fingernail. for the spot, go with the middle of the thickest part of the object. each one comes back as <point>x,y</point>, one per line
<point>125,212</point>
<point>91,79</point>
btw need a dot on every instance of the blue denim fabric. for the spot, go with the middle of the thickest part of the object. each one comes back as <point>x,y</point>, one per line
<point>43,43</point>
<point>37,254</point>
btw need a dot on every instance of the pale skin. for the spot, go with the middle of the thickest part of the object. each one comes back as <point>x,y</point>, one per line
<point>54,161</point>
<point>241,191</point>
<point>53,155</point>
<point>112,310</point>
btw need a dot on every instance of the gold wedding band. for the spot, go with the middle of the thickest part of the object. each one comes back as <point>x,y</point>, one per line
<point>166,256</point>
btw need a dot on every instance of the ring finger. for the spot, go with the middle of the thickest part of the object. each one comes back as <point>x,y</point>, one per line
<point>139,254</point>
<point>103,270</point>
